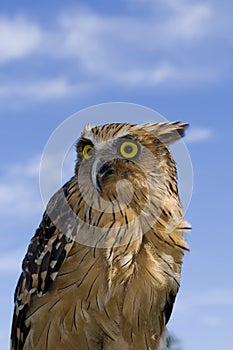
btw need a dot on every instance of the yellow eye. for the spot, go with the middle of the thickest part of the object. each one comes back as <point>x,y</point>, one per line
<point>129,149</point>
<point>87,151</point>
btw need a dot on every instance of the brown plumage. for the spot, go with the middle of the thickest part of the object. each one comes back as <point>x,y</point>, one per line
<point>103,269</point>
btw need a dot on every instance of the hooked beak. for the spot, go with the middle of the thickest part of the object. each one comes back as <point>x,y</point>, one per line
<point>100,171</point>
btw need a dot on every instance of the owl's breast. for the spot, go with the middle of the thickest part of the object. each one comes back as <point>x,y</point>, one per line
<point>89,297</point>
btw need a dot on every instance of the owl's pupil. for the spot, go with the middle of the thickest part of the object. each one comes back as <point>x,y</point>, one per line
<point>89,152</point>
<point>128,149</point>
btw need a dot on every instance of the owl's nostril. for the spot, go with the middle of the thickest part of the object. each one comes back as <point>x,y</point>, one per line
<point>104,171</point>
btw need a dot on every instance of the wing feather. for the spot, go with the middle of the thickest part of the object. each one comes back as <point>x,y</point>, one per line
<point>167,311</point>
<point>47,250</point>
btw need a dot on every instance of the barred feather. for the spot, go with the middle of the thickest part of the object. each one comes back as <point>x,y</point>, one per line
<point>95,278</point>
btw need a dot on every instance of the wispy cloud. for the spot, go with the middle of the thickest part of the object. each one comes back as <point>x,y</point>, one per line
<point>213,320</point>
<point>136,50</point>
<point>55,170</point>
<point>41,90</point>
<point>19,38</point>
<point>206,306</point>
<point>11,262</point>
<point>213,297</point>
<point>128,50</point>
<point>27,169</point>
<point>20,188</point>
<point>188,20</point>
<point>200,134</point>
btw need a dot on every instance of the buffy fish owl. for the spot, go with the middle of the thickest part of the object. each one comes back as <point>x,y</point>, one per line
<point>103,268</point>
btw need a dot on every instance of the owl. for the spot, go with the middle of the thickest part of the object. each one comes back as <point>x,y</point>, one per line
<point>103,268</point>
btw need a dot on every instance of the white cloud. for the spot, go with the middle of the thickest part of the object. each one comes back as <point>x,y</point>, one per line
<point>97,39</point>
<point>164,47</point>
<point>205,306</point>
<point>18,199</point>
<point>104,44</point>
<point>179,19</point>
<point>158,75</point>
<point>59,87</point>
<point>11,262</point>
<point>19,190</point>
<point>215,297</point>
<point>20,187</point>
<point>166,75</point>
<point>213,320</point>
<point>190,22</point>
<point>212,298</point>
<point>145,50</point>
<point>199,134</point>
<point>19,38</point>
<point>28,169</point>
<point>55,169</point>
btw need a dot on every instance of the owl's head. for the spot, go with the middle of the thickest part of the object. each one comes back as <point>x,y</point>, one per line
<point>114,152</point>
<point>127,175</point>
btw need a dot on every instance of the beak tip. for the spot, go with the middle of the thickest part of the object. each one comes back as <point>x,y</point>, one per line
<point>99,188</point>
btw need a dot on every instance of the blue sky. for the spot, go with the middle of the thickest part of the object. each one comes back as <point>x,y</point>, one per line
<point>175,57</point>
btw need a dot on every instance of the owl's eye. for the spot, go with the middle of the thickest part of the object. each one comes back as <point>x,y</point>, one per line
<point>129,149</point>
<point>87,151</point>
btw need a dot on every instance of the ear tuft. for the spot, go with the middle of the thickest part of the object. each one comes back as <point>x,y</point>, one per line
<point>170,132</point>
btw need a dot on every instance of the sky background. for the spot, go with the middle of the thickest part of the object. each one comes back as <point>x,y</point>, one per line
<point>175,57</point>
